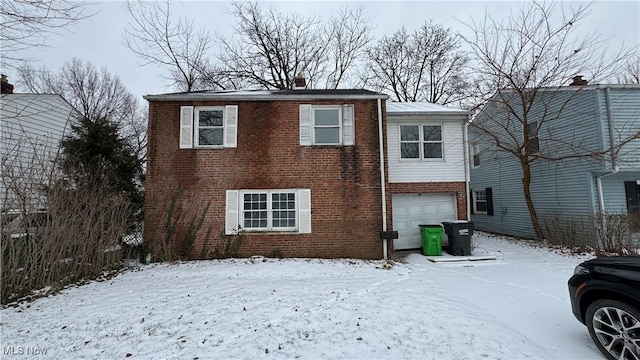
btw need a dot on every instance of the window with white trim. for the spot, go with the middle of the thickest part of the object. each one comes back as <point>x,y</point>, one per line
<point>533,143</point>
<point>326,124</point>
<point>421,142</point>
<point>208,126</point>
<point>479,201</point>
<point>268,210</point>
<point>475,154</point>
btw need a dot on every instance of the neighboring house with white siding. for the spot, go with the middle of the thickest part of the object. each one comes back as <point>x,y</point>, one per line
<point>31,128</point>
<point>427,167</point>
<point>590,118</point>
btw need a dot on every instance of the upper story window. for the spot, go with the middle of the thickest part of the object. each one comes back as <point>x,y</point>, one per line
<point>208,126</point>
<point>475,153</point>
<point>327,125</point>
<point>209,122</point>
<point>421,142</point>
<point>533,143</point>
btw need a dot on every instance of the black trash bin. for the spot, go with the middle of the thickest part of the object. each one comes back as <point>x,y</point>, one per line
<point>459,233</point>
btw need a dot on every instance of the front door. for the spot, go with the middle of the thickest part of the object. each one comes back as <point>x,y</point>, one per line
<point>632,192</point>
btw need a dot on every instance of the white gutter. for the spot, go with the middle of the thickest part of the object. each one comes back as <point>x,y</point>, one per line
<point>599,186</point>
<point>613,156</point>
<point>382,181</point>
<point>467,165</point>
<point>607,99</point>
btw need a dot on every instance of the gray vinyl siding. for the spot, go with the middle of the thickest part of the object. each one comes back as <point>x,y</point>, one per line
<point>563,189</point>
<point>625,106</point>
<point>614,193</point>
<point>31,128</point>
<point>500,172</point>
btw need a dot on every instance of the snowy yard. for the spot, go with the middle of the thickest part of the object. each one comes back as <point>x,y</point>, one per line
<point>514,307</point>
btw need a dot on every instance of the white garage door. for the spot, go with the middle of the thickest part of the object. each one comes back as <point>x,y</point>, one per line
<point>411,210</point>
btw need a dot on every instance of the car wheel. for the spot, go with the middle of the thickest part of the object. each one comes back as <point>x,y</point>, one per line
<point>614,326</point>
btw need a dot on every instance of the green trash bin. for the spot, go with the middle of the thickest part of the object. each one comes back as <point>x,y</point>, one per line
<point>431,239</point>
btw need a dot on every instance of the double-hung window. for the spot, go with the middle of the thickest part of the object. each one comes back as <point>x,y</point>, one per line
<point>410,142</point>
<point>327,125</point>
<point>480,201</point>
<point>268,210</point>
<point>533,143</point>
<point>208,126</point>
<point>475,153</point>
<point>421,142</point>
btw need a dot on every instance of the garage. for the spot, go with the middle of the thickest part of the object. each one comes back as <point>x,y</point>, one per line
<point>411,210</point>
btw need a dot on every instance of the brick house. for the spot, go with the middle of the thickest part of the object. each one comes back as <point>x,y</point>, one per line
<point>298,171</point>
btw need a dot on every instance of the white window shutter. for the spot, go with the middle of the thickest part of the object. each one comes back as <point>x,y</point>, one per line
<point>305,124</point>
<point>348,132</point>
<point>231,126</point>
<point>304,212</point>
<point>186,127</point>
<point>232,220</point>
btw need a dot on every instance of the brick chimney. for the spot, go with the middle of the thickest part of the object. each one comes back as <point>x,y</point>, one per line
<point>6,88</point>
<point>299,82</point>
<point>578,81</point>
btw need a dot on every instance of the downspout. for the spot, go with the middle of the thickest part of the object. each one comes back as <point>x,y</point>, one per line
<point>614,164</point>
<point>467,165</point>
<point>382,181</point>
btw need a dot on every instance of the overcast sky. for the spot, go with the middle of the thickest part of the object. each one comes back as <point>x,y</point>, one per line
<point>99,38</point>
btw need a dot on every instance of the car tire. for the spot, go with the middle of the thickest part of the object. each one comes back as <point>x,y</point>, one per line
<point>614,327</point>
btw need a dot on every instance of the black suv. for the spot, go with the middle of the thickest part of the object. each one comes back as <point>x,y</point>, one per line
<point>605,296</point>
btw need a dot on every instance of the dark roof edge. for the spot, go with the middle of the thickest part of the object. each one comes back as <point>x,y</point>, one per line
<point>577,88</point>
<point>261,97</point>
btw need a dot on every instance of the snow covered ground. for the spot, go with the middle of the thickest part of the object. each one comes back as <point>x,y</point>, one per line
<point>514,307</point>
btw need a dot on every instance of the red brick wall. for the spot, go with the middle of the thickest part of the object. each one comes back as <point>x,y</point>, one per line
<point>344,180</point>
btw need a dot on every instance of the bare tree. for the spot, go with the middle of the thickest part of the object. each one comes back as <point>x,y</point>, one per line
<point>630,72</point>
<point>524,60</point>
<point>426,65</point>
<point>94,92</point>
<point>216,76</point>
<point>348,35</point>
<point>173,43</point>
<point>27,23</point>
<point>134,130</point>
<point>58,235</point>
<point>270,48</point>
